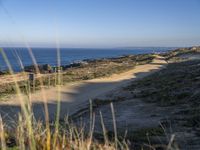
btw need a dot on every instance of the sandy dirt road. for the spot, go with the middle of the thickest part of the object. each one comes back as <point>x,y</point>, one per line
<point>75,96</point>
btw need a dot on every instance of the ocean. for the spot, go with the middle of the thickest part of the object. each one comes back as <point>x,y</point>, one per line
<point>20,56</point>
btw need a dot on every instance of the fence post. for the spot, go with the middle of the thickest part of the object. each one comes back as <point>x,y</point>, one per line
<point>32,80</point>
<point>49,81</point>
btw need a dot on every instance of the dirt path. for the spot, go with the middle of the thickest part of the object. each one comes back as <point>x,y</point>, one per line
<point>75,96</point>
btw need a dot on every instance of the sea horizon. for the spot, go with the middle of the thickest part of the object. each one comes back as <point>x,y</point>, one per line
<point>20,55</point>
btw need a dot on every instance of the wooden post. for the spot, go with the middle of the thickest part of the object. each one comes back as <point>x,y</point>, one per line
<point>32,81</point>
<point>49,82</point>
<point>28,88</point>
<point>34,85</point>
<point>61,76</point>
<point>55,77</point>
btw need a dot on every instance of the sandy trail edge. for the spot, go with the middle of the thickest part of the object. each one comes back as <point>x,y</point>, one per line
<point>75,96</point>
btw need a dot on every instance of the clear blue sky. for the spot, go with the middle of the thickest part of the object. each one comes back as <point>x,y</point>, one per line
<point>100,23</point>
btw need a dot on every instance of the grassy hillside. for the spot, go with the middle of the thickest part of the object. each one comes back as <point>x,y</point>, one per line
<point>176,88</point>
<point>181,54</point>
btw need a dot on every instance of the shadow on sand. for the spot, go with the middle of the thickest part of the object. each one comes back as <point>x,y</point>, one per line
<point>71,101</point>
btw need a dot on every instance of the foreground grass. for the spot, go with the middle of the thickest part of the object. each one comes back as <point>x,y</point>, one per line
<point>22,136</point>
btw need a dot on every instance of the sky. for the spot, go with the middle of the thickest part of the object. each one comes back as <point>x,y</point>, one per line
<point>100,23</point>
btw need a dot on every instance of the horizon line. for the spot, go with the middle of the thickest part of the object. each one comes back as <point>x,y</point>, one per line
<point>125,47</point>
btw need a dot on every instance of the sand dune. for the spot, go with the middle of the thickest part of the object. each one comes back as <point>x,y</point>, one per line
<point>75,96</point>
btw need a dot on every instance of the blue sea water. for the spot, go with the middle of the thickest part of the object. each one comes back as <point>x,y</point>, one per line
<point>19,56</point>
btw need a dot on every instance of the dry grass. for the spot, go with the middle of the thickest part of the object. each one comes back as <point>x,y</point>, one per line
<point>68,136</point>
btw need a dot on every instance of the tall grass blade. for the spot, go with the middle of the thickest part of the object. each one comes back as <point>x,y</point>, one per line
<point>114,124</point>
<point>43,96</point>
<point>104,129</point>
<point>2,135</point>
<point>26,113</point>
